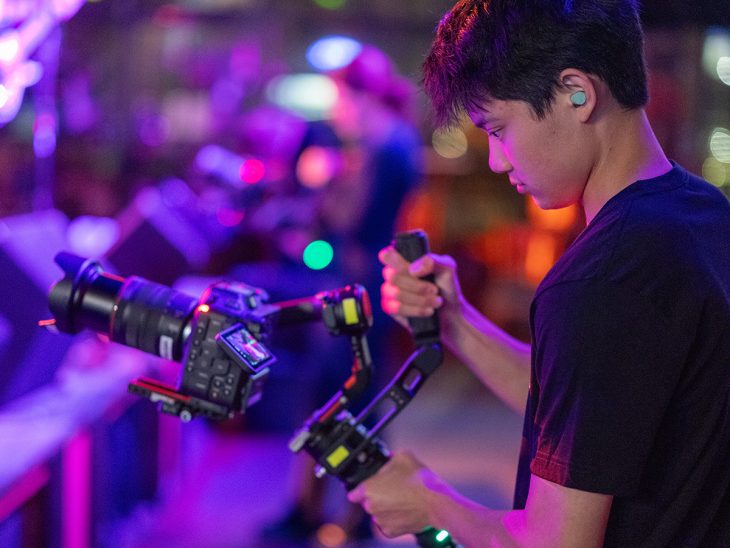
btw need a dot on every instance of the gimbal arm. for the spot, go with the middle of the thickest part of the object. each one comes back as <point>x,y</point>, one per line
<point>341,444</point>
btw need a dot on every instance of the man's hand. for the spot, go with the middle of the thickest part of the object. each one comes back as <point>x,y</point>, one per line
<point>404,295</point>
<point>397,496</point>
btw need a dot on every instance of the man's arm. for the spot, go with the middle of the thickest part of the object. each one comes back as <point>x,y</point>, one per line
<point>405,497</point>
<point>500,361</point>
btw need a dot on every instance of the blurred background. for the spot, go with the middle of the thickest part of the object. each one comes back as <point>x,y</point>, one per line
<point>280,143</point>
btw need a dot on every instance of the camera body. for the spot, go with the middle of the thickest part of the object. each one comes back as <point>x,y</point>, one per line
<point>224,362</point>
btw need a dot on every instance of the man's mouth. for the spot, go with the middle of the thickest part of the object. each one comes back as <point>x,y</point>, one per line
<point>520,187</point>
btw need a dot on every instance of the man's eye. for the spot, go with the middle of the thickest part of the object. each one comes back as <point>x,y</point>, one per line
<point>495,133</point>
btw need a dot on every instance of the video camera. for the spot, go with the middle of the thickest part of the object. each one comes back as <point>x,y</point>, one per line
<point>219,338</point>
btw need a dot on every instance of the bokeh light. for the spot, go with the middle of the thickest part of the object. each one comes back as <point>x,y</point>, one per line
<point>331,535</point>
<point>252,171</point>
<point>716,172</point>
<point>229,217</point>
<point>318,255</point>
<point>92,236</point>
<point>720,144</point>
<point>715,47</point>
<point>449,143</point>
<point>723,70</point>
<point>332,52</point>
<point>310,95</point>
<point>317,166</point>
<point>9,47</point>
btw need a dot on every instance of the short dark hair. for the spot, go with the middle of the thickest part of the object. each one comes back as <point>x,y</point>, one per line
<point>516,49</point>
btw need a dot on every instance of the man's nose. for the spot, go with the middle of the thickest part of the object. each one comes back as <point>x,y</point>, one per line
<point>498,162</point>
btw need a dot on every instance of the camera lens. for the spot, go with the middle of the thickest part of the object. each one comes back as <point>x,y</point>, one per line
<point>152,317</point>
<point>133,311</point>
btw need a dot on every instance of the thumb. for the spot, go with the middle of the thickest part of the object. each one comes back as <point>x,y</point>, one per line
<point>357,495</point>
<point>422,266</point>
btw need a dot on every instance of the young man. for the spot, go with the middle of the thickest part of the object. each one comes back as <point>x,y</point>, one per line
<point>627,427</point>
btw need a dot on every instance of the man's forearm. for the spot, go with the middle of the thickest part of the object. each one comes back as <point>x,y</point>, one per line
<point>469,523</point>
<point>500,361</point>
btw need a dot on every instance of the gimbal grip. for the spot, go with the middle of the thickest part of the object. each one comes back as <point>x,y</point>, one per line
<point>412,245</point>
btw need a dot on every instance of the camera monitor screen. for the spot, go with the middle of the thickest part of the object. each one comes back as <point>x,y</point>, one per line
<point>241,345</point>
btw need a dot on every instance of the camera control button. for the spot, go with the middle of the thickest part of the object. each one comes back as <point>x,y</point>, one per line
<point>199,375</point>
<point>217,382</point>
<point>220,367</point>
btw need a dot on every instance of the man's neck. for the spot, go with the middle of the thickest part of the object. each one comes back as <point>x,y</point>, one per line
<point>630,152</point>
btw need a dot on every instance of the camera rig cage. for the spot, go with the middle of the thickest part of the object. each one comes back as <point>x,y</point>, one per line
<point>219,338</point>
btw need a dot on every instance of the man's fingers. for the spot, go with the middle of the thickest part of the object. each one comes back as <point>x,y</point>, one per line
<point>389,256</point>
<point>395,301</point>
<point>425,295</point>
<point>408,283</point>
<point>357,495</point>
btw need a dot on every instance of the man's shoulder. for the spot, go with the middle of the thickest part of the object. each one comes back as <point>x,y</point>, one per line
<point>661,241</point>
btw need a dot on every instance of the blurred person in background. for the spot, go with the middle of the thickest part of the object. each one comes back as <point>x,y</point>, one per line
<point>626,438</point>
<point>381,165</point>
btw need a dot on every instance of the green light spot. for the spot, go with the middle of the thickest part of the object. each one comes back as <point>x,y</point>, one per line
<point>318,255</point>
<point>330,4</point>
<point>442,535</point>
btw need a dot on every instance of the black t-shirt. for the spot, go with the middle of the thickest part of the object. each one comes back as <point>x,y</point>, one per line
<point>630,388</point>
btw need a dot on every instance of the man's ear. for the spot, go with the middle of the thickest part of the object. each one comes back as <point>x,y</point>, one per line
<point>578,91</point>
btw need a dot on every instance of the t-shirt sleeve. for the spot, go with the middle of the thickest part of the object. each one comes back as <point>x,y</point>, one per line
<point>605,367</point>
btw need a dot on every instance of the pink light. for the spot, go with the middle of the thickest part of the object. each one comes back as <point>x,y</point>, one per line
<point>77,491</point>
<point>65,9</point>
<point>252,171</point>
<point>317,166</point>
<point>229,217</point>
<point>22,490</point>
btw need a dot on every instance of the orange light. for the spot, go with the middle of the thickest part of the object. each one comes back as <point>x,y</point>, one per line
<point>203,309</point>
<point>46,323</point>
<point>558,220</point>
<point>331,535</point>
<point>540,255</point>
<point>317,166</point>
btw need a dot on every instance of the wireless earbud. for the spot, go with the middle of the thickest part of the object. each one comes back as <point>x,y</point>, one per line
<point>578,98</point>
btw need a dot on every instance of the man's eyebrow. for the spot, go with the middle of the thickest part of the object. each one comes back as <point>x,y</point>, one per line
<point>485,121</point>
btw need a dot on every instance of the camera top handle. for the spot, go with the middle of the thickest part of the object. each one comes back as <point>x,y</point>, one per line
<point>341,444</point>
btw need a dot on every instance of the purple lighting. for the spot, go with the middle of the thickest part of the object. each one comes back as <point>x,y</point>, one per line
<point>230,167</point>
<point>44,136</point>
